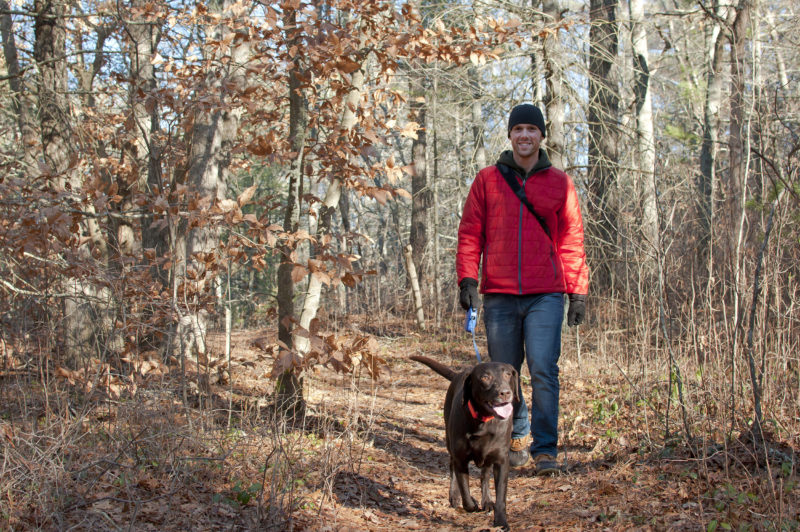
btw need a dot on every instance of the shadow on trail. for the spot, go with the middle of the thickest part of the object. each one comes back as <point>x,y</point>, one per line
<point>399,441</point>
<point>357,491</point>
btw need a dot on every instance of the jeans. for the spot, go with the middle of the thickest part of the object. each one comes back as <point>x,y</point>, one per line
<point>529,326</point>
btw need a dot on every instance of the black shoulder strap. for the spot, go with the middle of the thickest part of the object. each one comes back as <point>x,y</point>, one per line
<point>511,179</point>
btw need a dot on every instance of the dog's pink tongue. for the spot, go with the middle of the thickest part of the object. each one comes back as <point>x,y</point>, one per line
<point>503,411</point>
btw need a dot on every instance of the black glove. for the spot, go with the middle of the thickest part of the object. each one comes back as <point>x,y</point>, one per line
<point>468,297</point>
<point>577,309</point>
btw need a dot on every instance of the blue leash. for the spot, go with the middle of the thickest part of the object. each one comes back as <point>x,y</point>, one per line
<point>469,326</point>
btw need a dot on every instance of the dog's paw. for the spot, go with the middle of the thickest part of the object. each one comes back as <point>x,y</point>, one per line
<point>500,523</point>
<point>471,505</point>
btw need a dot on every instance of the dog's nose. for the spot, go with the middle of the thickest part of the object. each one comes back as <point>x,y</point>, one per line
<point>506,396</point>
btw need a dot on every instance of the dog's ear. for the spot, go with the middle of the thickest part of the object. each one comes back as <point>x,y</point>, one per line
<point>515,386</point>
<point>466,391</point>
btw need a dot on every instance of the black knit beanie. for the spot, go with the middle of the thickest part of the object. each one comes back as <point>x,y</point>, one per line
<point>526,113</point>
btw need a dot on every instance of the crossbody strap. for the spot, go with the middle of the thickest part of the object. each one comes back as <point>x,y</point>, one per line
<point>511,179</point>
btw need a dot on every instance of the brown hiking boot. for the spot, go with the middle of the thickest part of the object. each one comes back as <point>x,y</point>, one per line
<point>545,464</point>
<point>518,453</point>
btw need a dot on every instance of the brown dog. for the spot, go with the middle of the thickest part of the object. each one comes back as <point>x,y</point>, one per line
<point>478,423</point>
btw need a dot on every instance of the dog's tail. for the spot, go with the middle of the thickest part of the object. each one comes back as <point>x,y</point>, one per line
<point>441,369</point>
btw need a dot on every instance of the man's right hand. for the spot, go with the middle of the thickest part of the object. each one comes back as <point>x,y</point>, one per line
<point>468,297</point>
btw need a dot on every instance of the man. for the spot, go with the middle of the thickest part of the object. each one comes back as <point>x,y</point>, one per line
<point>530,260</point>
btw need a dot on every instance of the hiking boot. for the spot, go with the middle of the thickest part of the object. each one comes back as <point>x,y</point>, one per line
<point>545,464</point>
<point>518,454</point>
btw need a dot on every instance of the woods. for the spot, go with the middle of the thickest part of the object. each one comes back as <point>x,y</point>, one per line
<point>173,175</point>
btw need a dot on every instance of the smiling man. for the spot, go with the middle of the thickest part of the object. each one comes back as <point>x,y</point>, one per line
<point>522,230</point>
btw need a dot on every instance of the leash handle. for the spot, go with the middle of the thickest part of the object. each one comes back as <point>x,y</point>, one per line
<point>470,321</point>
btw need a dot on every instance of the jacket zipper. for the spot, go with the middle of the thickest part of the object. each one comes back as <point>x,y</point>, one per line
<point>519,243</point>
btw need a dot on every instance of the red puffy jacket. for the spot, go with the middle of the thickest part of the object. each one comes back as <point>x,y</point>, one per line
<point>518,256</point>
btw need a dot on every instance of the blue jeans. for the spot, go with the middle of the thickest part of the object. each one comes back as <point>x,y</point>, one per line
<point>529,327</point>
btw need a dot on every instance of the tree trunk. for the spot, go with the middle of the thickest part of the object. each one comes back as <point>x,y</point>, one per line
<point>736,141</point>
<point>436,273</point>
<point>214,130</point>
<point>420,191</point>
<point>49,51</point>
<point>329,203</point>
<point>416,294</point>
<point>143,151</point>
<point>21,100</point>
<point>644,124</point>
<point>298,116</point>
<point>479,146</point>
<point>86,74</point>
<point>554,98</point>
<point>738,151</point>
<point>54,113</point>
<point>707,179</point>
<point>289,387</point>
<point>603,133</point>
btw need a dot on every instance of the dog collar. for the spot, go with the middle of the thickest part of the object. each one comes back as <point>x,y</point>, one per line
<point>476,415</point>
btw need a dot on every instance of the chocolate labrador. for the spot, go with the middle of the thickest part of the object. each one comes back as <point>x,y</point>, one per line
<point>478,422</point>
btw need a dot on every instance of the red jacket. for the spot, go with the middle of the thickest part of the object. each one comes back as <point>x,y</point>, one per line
<point>518,256</point>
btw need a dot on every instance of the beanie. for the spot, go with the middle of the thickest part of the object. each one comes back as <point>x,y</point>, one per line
<point>526,113</point>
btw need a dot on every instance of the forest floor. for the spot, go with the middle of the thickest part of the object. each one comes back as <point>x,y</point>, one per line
<point>370,455</point>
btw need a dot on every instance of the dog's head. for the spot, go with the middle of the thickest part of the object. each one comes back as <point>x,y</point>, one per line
<point>492,388</point>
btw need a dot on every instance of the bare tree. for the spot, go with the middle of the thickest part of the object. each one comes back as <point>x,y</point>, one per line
<point>644,122</point>
<point>21,100</point>
<point>421,192</point>
<point>603,134</point>
<point>478,158</point>
<point>707,177</point>
<point>739,157</point>
<point>555,97</point>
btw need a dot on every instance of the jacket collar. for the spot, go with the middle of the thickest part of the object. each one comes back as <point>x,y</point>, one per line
<point>507,158</point>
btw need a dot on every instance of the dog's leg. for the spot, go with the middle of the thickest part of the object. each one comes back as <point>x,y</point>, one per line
<point>455,493</point>
<point>486,501</point>
<point>500,484</point>
<point>460,476</point>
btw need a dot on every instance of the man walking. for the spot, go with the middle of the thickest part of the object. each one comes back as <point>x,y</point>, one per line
<point>530,241</point>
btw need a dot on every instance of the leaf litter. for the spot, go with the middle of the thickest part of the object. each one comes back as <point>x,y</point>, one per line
<point>369,455</point>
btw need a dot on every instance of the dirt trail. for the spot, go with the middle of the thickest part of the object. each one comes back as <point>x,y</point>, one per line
<point>615,477</point>
<point>371,455</point>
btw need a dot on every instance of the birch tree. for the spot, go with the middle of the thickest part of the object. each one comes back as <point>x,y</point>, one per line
<point>645,140</point>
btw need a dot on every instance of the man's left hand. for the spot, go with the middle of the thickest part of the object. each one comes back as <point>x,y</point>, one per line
<point>577,309</point>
